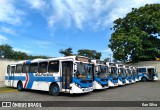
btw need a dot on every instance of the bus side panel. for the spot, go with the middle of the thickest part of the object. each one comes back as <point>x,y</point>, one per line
<point>18,77</point>
<point>6,80</point>
<point>44,86</point>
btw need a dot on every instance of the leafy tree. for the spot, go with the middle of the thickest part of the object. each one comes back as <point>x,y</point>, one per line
<point>135,36</point>
<point>93,54</point>
<point>18,55</point>
<point>66,52</point>
<point>106,59</point>
<point>6,51</point>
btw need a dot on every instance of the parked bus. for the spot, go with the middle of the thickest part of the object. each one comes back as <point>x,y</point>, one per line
<point>121,74</point>
<point>100,75</point>
<point>129,75</point>
<point>71,74</point>
<point>113,74</point>
<point>147,73</point>
<point>134,73</point>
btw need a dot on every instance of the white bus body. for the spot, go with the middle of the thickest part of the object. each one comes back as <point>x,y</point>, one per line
<point>129,76</point>
<point>147,73</point>
<point>72,74</point>
<point>100,75</point>
<point>113,74</point>
<point>121,74</point>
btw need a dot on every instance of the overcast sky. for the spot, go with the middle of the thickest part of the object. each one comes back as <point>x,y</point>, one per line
<point>43,27</point>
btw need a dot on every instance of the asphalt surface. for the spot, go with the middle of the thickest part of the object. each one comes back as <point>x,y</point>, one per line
<point>140,91</point>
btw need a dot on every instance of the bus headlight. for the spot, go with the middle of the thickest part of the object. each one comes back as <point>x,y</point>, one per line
<point>78,85</point>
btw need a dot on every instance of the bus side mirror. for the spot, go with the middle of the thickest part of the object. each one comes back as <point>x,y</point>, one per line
<point>75,67</point>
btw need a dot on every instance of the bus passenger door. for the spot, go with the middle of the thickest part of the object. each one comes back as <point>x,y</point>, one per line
<point>67,69</point>
<point>12,75</point>
<point>9,74</point>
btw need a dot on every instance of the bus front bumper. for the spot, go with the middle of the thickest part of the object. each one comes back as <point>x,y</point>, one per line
<point>155,78</point>
<point>96,85</point>
<point>111,84</point>
<point>121,83</point>
<point>77,90</point>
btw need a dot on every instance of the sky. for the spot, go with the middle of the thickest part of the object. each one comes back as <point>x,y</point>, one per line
<point>43,27</point>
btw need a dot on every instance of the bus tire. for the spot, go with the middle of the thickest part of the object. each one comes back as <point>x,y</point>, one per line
<point>54,90</point>
<point>144,79</point>
<point>19,86</point>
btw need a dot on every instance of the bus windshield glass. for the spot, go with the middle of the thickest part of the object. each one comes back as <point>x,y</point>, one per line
<point>102,71</point>
<point>122,72</point>
<point>128,71</point>
<point>84,71</point>
<point>134,72</point>
<point>113,72</point>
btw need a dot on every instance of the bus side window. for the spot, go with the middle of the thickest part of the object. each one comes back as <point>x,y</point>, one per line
<point>42,67</point>
<point>8,69</point>
<point>25,68</point>
<point>33,68</point>
<point>12,69</point>
<point>18,68</point>
<point>53,66</point>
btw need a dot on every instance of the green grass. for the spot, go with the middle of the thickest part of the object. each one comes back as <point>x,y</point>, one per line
<point>6,88</point>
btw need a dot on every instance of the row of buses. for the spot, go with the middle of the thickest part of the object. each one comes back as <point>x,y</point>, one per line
<point>73,74</point>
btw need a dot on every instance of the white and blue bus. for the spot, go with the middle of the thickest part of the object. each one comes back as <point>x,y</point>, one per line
<point>147,73</point>
<point>121,74</point>
<point>72,74</point>
<point>134,73</point>
<point>113,74</point>
<point>100,75</point>
<point>129,75</point>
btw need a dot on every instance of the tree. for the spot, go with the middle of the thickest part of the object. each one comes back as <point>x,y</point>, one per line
<point>92,54</point>
<point>66,52</point>
<point>107,60</point>
<point>6,51</point>
<point>18,55</point>
<point>135,36</point>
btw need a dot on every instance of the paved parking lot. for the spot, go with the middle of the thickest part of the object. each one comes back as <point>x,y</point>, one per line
<point>141,91</point>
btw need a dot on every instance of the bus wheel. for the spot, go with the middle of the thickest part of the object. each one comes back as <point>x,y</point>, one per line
<point>54,90</point>
<point>144,79</point>
<point>20,86</point>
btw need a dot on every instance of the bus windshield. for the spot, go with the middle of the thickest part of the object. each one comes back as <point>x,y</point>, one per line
<point>102,71</point>
<point>84,71</point>
<point>134,72</point>
<point>128,71</point>
<point>113,72</point>
<point>122,72</point>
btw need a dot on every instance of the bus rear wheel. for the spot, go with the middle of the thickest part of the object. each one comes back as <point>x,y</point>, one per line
<point>20,86</point>
<point>54,90</point>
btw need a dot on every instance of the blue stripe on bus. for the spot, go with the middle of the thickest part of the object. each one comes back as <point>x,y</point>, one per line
<point>83,85</point>
<point>33,78</point>
<point>111,79</point>
<point>22,78</point>
<point>100,81</point>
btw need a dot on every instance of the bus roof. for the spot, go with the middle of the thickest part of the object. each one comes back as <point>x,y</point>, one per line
<point>146,67</point>
<point>81,58</point>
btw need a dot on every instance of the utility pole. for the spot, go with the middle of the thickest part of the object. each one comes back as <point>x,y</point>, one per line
<point>110,57</point>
